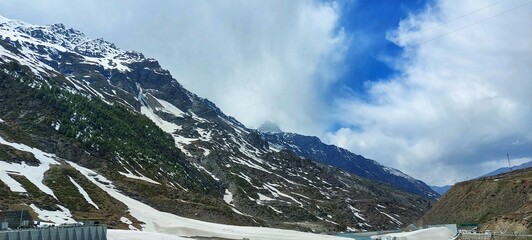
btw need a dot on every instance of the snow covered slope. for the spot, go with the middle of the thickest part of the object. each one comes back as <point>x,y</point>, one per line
<point>435,233</point>
<point>121,115</point>
<point>154,221</point>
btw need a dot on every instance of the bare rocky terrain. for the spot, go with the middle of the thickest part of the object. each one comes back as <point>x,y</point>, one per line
<point>501,203</point>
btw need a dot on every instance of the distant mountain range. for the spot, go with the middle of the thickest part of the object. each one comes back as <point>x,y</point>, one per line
<point>505,169</point>
<point>441,190</point>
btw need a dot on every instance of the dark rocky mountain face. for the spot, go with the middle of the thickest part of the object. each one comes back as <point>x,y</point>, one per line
<point>313,148</point>
<point>89,104</point>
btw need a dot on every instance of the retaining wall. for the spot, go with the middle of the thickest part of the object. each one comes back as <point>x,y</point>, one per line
<point>57,233</point>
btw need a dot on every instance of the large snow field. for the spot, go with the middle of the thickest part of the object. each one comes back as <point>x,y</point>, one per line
<point>114,234</point>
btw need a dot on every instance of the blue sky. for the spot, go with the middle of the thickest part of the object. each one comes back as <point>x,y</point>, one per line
<point>368,22</point>
<point>437,89</point>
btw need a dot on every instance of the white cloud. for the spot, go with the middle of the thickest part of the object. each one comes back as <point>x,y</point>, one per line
<point>263,61</point>
<point>257,60</point>
<point>260,61</point>
<point>461,101</point>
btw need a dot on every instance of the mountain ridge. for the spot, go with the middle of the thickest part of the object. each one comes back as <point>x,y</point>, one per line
<point>505,169</point>
<point>346,160</point>
<point>68,96</point>
<point>443,189</point>
<point>501,203</point>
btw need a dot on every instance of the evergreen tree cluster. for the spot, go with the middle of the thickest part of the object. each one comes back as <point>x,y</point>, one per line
<point>107,130</point>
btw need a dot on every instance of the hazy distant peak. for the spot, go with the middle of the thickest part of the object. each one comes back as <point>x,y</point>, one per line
<point>270,127</point>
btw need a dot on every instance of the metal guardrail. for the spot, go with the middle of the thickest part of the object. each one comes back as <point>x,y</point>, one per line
<point>474,236</point>
<point>483,236</point>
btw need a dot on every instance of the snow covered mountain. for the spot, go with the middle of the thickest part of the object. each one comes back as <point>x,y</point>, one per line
<point>90,131</point>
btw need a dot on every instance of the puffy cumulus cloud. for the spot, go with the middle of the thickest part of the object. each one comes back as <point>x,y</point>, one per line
<point>257,60</point>
<point>461,99</point>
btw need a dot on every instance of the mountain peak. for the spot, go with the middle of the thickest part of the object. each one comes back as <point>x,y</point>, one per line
<point>44,44</point>
<point>269,127</point>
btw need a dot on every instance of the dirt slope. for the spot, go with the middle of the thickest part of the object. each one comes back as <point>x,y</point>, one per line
<point>501,203</point>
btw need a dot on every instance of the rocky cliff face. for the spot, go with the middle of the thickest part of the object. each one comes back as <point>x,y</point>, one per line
<point>89,119</point>
<point>501,203</point>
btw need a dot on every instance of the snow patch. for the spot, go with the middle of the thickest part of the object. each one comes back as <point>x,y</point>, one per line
<point>350,229</point>
<point>356,212</point>
<point>111,61</point>
<point>169,108</point>
<point>141,177</point>
<point>429,233</point>
<point>58,217</point>
<point>264,197</point>
<point>164,125</point>
<point>13,185</point>
<point>392,218</point>
<point>276,193</point>
<point>83,193</point>
<point>204,169</point>
<point>115,234</point>
<point>228,197</point>
<point>396,172</point>
<point>274,209</point>
<point>56,126</point>
<point>128,222</point>
<point>205,135</point>
<point>206,151</point>
<point>181,142</point>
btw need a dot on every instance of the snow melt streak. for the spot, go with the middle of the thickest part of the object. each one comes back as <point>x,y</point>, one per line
<point>83,193</point>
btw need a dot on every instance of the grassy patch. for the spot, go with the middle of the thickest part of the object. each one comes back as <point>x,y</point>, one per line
<point>41,199</point>
<point>12,155</point>
<point>109,209</point>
